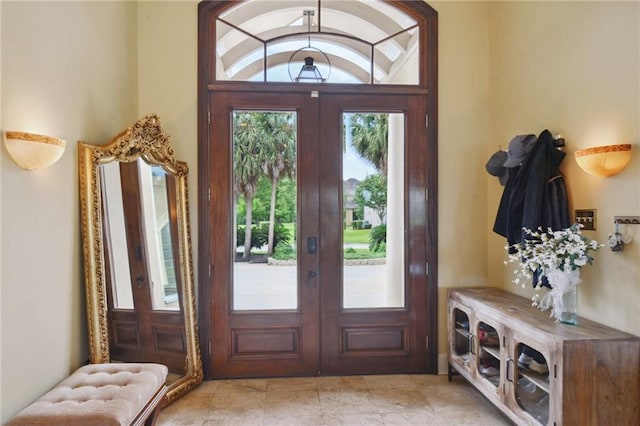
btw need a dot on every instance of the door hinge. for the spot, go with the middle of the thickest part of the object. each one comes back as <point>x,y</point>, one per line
<point>209,271</point>
<point>427,343</point>
<point>209,194</point>
<point>426,268</point>
<point>426,195</point>
<point>209,348</point>
<point>555,371</point>
<point>208,117</point>
<point>426,121</point>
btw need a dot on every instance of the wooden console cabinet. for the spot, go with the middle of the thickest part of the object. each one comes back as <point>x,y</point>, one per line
<point>593,371</point>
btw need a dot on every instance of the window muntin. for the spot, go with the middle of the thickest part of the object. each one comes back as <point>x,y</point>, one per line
<point>363,39</point>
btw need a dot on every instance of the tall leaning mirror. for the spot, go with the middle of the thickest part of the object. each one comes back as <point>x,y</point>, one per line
<point>137,254</point>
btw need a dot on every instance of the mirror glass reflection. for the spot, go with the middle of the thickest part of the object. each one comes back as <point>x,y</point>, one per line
<point>137,251</point>
<point>157,233</point>
<point>113,214</point>
<point>156,214</point>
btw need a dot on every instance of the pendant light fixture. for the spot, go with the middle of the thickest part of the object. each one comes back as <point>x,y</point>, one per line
<point>309,73</point>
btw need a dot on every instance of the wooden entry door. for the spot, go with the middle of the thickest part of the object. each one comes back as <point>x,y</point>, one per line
<point>375,321</point>
<point>263,335</point>
<point>322,329</point>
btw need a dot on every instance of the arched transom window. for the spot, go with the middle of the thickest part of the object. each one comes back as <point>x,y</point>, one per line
<point>332,41</point>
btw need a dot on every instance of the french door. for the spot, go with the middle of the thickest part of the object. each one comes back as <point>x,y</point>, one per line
<point>321,312</point>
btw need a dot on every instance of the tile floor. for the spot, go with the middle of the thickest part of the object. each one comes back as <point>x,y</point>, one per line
<point>348,400</point>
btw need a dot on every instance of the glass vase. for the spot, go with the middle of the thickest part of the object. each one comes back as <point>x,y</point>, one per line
<point>569,313</point>
<point>562,299</point>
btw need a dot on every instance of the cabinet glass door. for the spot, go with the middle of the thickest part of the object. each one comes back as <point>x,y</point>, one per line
<point>462,335</point>
<point>488,353</point>
<point>531,382</point>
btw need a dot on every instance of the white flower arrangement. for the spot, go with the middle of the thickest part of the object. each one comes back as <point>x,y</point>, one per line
<point>549,251</point>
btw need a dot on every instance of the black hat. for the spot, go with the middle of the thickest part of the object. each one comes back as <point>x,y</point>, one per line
<point>495,166</point>
<point>519,147</point>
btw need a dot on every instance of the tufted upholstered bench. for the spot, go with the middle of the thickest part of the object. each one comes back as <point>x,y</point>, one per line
<point>101,395</point>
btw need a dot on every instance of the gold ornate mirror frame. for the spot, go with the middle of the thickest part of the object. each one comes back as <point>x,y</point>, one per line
<point>144,140</point>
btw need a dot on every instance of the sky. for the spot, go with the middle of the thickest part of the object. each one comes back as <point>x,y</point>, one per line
<point>353,166</point>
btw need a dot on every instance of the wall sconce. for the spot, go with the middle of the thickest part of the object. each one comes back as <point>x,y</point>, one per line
<point>31,151</point>
<point>604,160</point>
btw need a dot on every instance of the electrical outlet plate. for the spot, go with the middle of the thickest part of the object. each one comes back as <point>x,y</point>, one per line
<point>586,218</point>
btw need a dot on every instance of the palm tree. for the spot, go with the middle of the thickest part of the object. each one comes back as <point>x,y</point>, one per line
<point>370,138</point>
<point>247,168</point>
<point>264,145</point>
<point>278,154</point>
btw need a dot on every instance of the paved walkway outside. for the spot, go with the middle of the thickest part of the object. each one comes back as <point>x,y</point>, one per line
<point>262,286</point>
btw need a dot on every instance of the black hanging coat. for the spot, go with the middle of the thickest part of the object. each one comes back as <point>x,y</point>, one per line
<point>535,194</point>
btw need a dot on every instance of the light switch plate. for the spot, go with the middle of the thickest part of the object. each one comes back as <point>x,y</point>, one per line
<point>586,218</point>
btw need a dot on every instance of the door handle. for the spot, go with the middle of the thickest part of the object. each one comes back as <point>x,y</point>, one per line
<point>140,280</point>
<point>312,245</point>
<point>509,363</point>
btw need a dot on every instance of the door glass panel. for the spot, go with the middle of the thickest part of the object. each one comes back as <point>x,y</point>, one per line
<point>157,235</point>
<point>265,191</point>
<point>115,236</point>
<point>373,234</point>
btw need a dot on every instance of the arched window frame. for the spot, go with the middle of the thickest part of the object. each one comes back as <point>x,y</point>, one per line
<point>421,12</point>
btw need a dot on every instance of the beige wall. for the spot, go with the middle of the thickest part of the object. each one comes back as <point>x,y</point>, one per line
<point>168,82</point>
<point>68,70</point>
<point>573,68</point>
<point>507,68</point>
<point>463,135</point>
<point>168,74</point>
<point>106,64</point>
<point>1,160</point>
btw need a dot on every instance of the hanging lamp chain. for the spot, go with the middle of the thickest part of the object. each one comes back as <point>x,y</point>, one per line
<point>308,14</point>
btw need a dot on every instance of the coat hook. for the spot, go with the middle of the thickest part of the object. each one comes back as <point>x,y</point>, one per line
<point>627,220</point>
<point>558,141</point>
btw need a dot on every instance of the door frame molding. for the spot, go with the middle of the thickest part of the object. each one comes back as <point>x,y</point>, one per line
<point>207,83</point>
